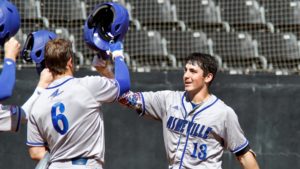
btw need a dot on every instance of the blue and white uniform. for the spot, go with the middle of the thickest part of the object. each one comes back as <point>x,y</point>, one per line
<point>10,116</point>
<point>195,136</point>
<point>68,120</point>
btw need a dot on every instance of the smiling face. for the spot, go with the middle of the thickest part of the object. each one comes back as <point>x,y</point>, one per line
<point>194,78</point>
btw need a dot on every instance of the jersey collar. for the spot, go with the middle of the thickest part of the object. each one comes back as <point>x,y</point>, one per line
<point>59,82</point>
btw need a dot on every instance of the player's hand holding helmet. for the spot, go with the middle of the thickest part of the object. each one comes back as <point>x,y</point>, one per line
<point>12,48</point>
<point>9,20</point>
<point>105,29</point>
<point>34,47</point>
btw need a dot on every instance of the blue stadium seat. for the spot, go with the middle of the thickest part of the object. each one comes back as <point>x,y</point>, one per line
<point>244,15</point>
<point>200,15</point>
<point>182,43</point>
<point>280,49</point>
<point>237,50</point>
<point>147,48</point>
<point>156,14</point>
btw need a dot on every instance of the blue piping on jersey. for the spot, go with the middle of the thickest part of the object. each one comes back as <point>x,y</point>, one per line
<point>60,84</point>
<point>35,144</point>
<point>19,119</point>
<point>188,133</point>
<point>240,147</point>
<point>184,119</point>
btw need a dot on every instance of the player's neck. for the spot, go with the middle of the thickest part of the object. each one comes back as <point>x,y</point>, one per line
<point>199,97</point>
<point>67,73</point>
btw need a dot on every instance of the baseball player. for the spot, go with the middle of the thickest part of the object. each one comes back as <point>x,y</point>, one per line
<point>11,116</point>
<point>66,118</point>
<point>197,125</point>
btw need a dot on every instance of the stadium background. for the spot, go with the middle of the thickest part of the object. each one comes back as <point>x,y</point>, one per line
<point>255,42</point>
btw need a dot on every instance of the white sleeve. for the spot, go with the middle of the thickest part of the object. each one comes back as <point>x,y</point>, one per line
<point>34,137</point>
<point>27,106</point>
<point>10,117</point>
<point>103,89</point>
<point>154,103</point>
<point>234,135</point>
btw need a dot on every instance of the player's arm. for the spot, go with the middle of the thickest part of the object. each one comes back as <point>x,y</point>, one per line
<point>8,75</point>
<point>45,79</point>
<point>237,142</point>
<point>133,100</point>
<point>37,147</point>
<point>37,153</point>
<point>121,72</point>
<point>148,104</point>
<point>248,160</point>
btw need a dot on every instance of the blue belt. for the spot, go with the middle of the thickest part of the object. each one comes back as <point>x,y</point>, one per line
<point>79,161</point>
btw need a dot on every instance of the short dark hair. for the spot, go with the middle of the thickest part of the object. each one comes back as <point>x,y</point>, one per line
<point>206,62</point>
<point>57,54</point>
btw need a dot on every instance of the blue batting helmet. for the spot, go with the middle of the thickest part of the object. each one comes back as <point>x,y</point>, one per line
<point>34,48</point>
<point>108,23</point>
<point>9,20</point>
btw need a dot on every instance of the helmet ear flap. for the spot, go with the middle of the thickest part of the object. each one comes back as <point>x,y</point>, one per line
<point>27,48</point>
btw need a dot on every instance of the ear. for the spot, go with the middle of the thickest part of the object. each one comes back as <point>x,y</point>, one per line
<point>208,78</point>
<point>70,62</point>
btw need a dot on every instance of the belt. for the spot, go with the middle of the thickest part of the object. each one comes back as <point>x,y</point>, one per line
<point>79,161</point>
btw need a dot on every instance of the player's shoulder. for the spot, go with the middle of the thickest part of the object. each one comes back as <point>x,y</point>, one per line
<point>221,105</point>
<point>94,79</point>
<point>165,93</point>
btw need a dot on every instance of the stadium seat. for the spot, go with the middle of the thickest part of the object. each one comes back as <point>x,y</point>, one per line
<point>237,50</point>
<point>182,43</point>
<point>80,45</point>
<point>285,15</point>
<point>147,49</point>
<point>244,15</point>
<point>200,15</point>
<point>63,13</point>
<point>155,14</point>
<point>30,12</point>
<point>281,49</point>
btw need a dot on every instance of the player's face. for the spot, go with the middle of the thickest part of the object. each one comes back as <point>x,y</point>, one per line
<point>193,78</point>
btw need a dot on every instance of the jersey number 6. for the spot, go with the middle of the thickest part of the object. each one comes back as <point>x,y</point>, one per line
<point>63,126</point>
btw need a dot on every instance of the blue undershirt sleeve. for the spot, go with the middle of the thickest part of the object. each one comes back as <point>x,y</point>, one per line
<point>7,78</point>
<point>122,75</point>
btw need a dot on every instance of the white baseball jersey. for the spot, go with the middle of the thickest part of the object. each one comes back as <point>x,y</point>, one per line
<point>67,117</point>
<point>194,138</point>
<point>12,116</point>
